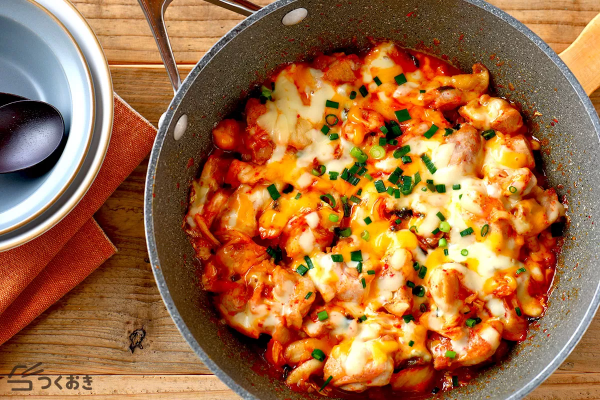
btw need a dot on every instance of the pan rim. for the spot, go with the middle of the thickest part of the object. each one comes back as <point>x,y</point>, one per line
<point>560,356</point>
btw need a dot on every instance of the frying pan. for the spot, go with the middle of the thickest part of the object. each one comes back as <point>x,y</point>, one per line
<point>523,68</point>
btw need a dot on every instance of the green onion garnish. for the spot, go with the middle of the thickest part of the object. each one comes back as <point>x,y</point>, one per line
<point>411,343</point>
<point>322,315</point>
<point>298,195</point>
<point>355,199</point>
<point>333,175</point>
<point>416,265</point>
<point>377,152</point>
<point>356,255</point>
<point>471,322</point>
<point>456,186</point>
<point>418,291</point>
<point>397,193</point>
<point>443,242</point>
<point>406,185</point>
<point>334,217</point>
<point>512,189</point>
<point>454,380</point>
<point>273,192</point>
<point>352,95</point>
<point>362,318</point>
<point>337,258</point>
<point>417,178</point>
<point>487,135</point>
<point>331,119</point>
<point>396,131</point>
<point>446,252</point>
<point>359,267</point>
<point>448,131</point>
<point>318,355</point>
<point>346,232</point>
<point>484,230</point>
<point>327,198</point>
<point>422,272</point>
<point>302,269</point>
<point>410,284</point>
<point>408,318</point>
<point>390,190</point>
<point>334,136</point>
<point>368,220</point>
<point>363,90</point>
<point>358,154</point>
<point>435,231</point>
<point>520,271</point>
<point>319,171</point>
<point>441,188</point>
<point>363,282</point>
<point>518,310</point>
<point>393,142</point>
<point>325,129</point>
<point>309,262</point>
<point>466,232</point>
<point>428,163</point>
<point>377,81</point>
<point>450,354</point>
<point>445,226</point>
<point>382,140</point>
<point>431,131</point>
<point>440,216</point>
<point>365,236</point>
<point>332,104</point>
<point>406,160</point>
<point>326,383</point>
<point>464,252</point>
<point>402,115</point>
<point>371,272</point>
<point>400,79</point>
<point>380,186</point>
<point>308,295</point>
<point>395,176</point>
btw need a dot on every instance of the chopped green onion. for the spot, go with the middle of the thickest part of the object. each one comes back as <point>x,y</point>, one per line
<point>352,95</point>
<point>266,92</point>
<point>358,154</point>
<point>443,242</point>
<point>380,186</point>
<point>423,189</point>
<point>400,79</point>
<point>337,258</point>
<point>298,195</point>
<point>325,129</point>
<point>411,343</point>
<point>518,310</point>
<point>410,284</point>
<point>377,152</point>
<point>428,163</point>
<point>406,160</point>
<point>326,383</point>
<point>318,355</point>
<point>418,291</point>
<point>466,232</point>
<point>446,252</point>
<point>363,282</point>
<point>371,272</point>
<point>450,354</point>
<point>422,91</point>
<point>302,269</point>
<point>441,188</point>
<point>440,216</point>
<point>369,177</point>
<point>275,253</point>
<point>362,318</point>
<point>408,318</point>
<point>355,199</point>
<point>422,272</point>
<point>397,193</point>
<point>395,176</point>
<point>487,135</point>
<point>332,104</point>
<point>512,189</point>
<point>331,119</point>
<point>390,190</point>
<point>334,217</point>
<point>361,171</point>
<point>377,81</point>
<point>435,231</point>
<point>356,255</point>
<point>464,252</point>
<point>431,131</point>
<point>359,267</point>
<point>383,129</point>
<point>327,198</point>
<point>382,140</point>
<point>402,115</point>
<point>365,236</point>
<point>273,192</point>
<point>406,185</point>
<point>416,266</point>
<point>308,295</point>
<point>456,186</point>
<point>448,131</point>
<point>445,226</point>
<point>333,175</point>
<point>368,220</point>
<point>398,221</point>
<point>417,178</point>
<point>520,271</point>
<point>322,315</point>
<point>346,232</point>
<point>334,136</point>
<point>353,180</point>
<point>396,131</point>
<point>393,142</point>
<point>471,322</point>
<point>320,171</point>
<point>454,380</point>
<point>363,90</point>
<point>484,230</point>
<point>309,262</point>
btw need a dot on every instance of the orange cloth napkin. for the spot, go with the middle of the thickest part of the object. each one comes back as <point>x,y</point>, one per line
<point>38,273</point>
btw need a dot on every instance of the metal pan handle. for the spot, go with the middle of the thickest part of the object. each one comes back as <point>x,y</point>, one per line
<point>154,10</point>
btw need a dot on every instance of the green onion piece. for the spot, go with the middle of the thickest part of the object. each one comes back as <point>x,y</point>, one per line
<point>320,171</point>
<point>417,178</point>
<point>396,131</point>
<point>309,262</point>
<point>455,381</point>
<point>383,129</point>
<point>363,282</point>
<point>302,269</point>
<point>368,220</point>
<point>443,242</point>
<point>273,192</point>
<point>363,90</point>
<point>518,310</point>
<point>326,383</point>
<point>369,177</point>
<point>456,186</point>
<point>327,198</point>
<point>446,252</point>
<point>359,192</point>
<point>440,216</point>
<point>487,135</point>
<point>377,81</point>
<point>325,129</point>
<point>318,355</point>
<point>423,189</point>
<point>332,104</point>
<point>322,315</point>
<point>346,232</point>
<point>382,141</point>
<point>352,95</point>
<point>408,318</point>
<point>450,354</point>
<point>466,232</point>
<point>435,231</point>
<point>266,92</point>
<point>393,142</point>
<point>428,163</point>
<point>390,190</point>
<point>298,195</point>
<point>308,295</point>
<point>410,284</point>
<point>331,119</point>
<point>397,193</point>
<point>395,176</point>
<point>334,136</point>
<point>275,253</point>
<point>337,258</point>
<point>362,318</point>
<point>411,343</point>
<point>398,221</point>
<point>431,131</point>
<point>400,79</point>
<point>441,188</point>
<point>416,266</point>
<point>418,291</point>
<point>471,322</point>
<point>356,255</point>
<point>406,185</point>
<point>520,271</point>
<point>422,91</point>
<point>355,199</point>
<point>512,189</point>
<point>445,227</point>
<point>414,229</point>
<point>402,115</point>
<point>484,230</point>
<point>371,272</point>
<point>334,217</point>
<point>380,186</point>
<point>333,175</point>
<point>359,267</point>
<point>377,152</point>
<point>460,197</point>
<point>358,154</point>
<point>422,272</point>
<point>464,252</point>
<point>406,160</point>
<point>353,180</point>
<point>448,131</point>
<point>365,236</point>
<point>361,171</point>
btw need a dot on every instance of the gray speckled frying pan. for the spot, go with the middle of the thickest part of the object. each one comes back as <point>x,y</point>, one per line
<point>465,31</point>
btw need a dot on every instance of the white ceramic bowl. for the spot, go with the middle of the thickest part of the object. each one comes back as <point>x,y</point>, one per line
<point>71,55</point>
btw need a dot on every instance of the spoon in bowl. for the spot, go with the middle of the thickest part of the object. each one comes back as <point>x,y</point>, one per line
<point>30,132</point>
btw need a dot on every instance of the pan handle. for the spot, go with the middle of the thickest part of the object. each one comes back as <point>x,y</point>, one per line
<point>583,56</point>
<point>154,10</point>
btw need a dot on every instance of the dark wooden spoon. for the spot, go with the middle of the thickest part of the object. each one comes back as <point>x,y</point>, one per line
<point>30,132</point>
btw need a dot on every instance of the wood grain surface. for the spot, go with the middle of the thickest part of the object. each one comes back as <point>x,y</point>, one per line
<point>93,330</point>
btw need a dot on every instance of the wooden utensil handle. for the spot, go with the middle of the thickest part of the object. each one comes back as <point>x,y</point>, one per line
<point>583,56</point>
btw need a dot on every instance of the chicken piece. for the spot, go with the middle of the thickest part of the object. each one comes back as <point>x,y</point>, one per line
<point>241,211</point>
<point>292,289</point>
<point>298,238</point>
<point>467,152</point>
<point>417,379</point>
<point>227,135</point>
<point>493,113</point>
<point>339,68</point>
<point>257,145</point>
<point>390,286</point>
<point>522,180</point>
<point>241,172</point>
<point>515,326</point>
<point>360,122</point>
<point>533,215</point>
<point>458,90</point>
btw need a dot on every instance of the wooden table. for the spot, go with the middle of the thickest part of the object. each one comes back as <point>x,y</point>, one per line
<point>89,331</point>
